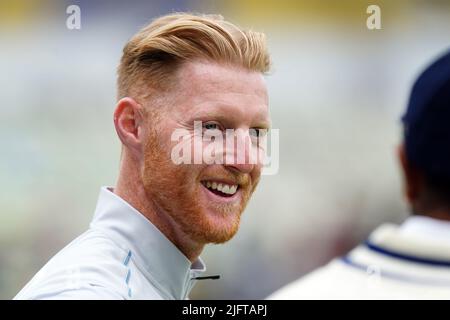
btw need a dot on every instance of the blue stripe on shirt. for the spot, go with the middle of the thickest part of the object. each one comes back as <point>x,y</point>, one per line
<point>406,257</point>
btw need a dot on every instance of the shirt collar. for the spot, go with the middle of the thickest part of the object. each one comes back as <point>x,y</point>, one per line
<point>421,237</point>
<point>427,227</point>
<point>161,259</point>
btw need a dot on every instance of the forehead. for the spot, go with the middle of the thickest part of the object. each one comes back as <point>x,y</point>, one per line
<point>209,88</point>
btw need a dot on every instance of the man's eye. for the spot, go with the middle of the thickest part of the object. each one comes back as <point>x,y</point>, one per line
<point>255,132</point>
<point>211,126</point>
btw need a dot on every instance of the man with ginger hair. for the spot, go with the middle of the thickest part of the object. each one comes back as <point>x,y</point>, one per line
<point>147,233</point>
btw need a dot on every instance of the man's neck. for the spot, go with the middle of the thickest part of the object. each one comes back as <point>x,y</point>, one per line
<point>130,188</point>
<point>440,213</point>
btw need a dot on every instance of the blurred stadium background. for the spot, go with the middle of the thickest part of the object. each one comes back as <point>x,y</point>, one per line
<point>337,91</point>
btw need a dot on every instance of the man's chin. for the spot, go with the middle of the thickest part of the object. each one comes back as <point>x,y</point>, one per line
<point>217,227</point>
<point>219,236</point>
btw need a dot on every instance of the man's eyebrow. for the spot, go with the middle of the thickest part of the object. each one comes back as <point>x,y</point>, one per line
<point>221,114</point>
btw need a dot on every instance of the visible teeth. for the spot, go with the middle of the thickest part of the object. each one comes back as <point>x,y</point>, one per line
<point>225,188</point>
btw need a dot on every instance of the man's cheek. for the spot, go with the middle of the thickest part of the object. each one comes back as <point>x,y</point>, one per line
<point>256,175</point>
<point>257,170</point>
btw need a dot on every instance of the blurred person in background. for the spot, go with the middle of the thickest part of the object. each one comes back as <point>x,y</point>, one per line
<point>147,233</point>
<point>410,261</point>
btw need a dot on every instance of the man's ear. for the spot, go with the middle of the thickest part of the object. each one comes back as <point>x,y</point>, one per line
<point>128,121</point>
<point>412,178</point>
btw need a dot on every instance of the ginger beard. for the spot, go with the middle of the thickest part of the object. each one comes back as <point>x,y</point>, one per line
<point>178,192</point>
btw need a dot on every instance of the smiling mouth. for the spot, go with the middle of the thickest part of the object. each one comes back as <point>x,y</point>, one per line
<point>221,189</point>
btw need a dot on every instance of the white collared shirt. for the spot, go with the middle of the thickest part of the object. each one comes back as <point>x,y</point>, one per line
<point>438,230</point>
<point>121,256</point>
<point>411,261</point>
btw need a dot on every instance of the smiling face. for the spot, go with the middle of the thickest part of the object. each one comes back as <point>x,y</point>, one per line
<point>206,201</point>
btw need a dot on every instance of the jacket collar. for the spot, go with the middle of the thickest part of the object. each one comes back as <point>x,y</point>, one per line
<point>166,267</point>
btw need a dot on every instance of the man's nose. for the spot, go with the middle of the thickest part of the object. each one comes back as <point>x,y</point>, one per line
<point>242,157</point>
<point>241,168</point>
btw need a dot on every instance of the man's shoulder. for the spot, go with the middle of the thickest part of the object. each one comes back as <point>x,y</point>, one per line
<point>93,262</point>
<point>323,279</point>
<point>92,249</point>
